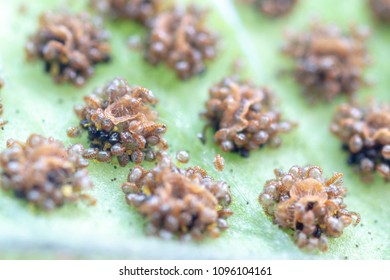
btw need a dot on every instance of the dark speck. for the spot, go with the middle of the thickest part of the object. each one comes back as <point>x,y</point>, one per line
<point>317,233</point>
<point>244,153</point>
<point>299,226</point>
<point>309,206</point>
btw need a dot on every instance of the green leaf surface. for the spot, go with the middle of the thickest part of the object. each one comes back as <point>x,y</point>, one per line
<point>111,229</point>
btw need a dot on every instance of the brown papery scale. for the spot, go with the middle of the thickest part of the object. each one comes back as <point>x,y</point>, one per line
<point>139,10</point>
<point>219,162</point>
<point>365,133</point>
<point>70,46</point>
<point>328,62</point>
<point>312,206</point>
<point>243,116</point>
<point>273,8</point>
<point>44,173</point>
<point>180,38</point>
<point>120,123</point>
<point>183,203</point>
<point>381,9</point>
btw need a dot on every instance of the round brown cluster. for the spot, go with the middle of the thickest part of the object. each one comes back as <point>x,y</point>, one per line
<point>365,132</point>
<point>327,61</point>
<point>138,10</point>
<point>120,123</point>
<point>244,116</point>
<point>70,45</point>
<point>180,38</point>
<point>274,8</point>
<point>302,200</point>
<point>381,9</point>
<point>186,203</point>
<point>44,173</point>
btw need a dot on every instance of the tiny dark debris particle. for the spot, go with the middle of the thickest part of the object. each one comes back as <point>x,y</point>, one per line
<point>184,203</point>
<point>273,8</point>
<point>44,173</point>
<point>302,200</point>
<point>244,117</point>
<point>70,46</point>
<point>365,132</point>
<point>179,38</point>
<point>120,123</point>
<point>381,9</point>
<point>139,10</point>
<point>328,62</point>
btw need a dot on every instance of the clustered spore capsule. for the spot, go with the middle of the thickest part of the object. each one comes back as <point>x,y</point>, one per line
<point>183,156</point>
<point>180,38</point>
<point>328,62</point>
<point>45,173</point>
<point>302,200</point>
<point>120,123</point>
<point>139,10</point>
<point>183,203</point>
<point>381,9</point>
<point>273,8</point>
<point>365,132</point>
<point>244,117</point>
<point>70,46</point>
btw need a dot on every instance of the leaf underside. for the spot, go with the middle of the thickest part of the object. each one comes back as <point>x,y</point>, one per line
<point>113,230</point>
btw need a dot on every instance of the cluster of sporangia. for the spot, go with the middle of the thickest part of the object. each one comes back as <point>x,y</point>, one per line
<point>365,132</point>
<point>120,123</point>
<point>178,202</point>
<point>138,10</point>
<point>244,116</point>
<point>70,46</point>
<point>273,8</point>
<point>328,62</point>
<point>381,9</point>
<point>302,200</point>
<point>179,38</point>
<point>44,173</point>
